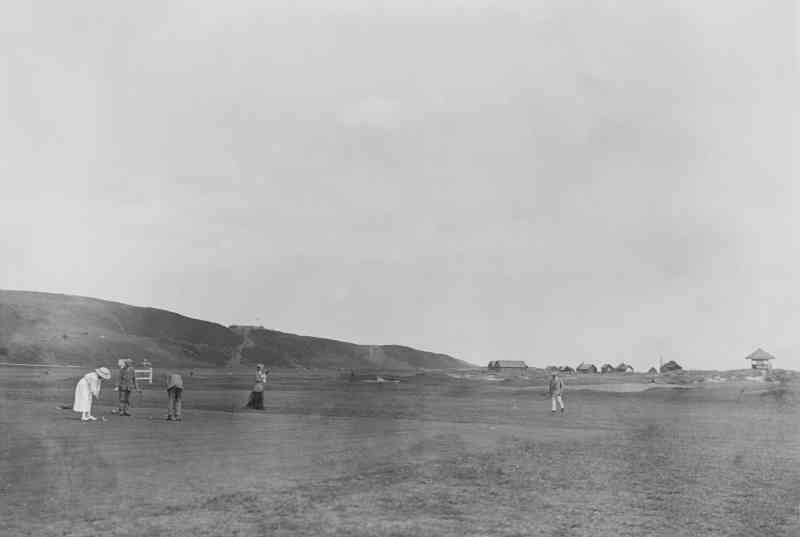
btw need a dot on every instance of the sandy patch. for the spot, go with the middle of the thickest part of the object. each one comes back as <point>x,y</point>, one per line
<point>624,387</point>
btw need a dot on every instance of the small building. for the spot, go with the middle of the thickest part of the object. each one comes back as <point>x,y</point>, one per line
<point>566,369</point>
<point>672,365</point>
<point>652,371</point>
<point>759,359</point>
<point>512,367</point>
<point>624,368</point>
<point>586,368</point>
<point>607,368</point>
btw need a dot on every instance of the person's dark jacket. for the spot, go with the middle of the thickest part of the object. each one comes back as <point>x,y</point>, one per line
<point>556,386</point>
<point>127,379</point>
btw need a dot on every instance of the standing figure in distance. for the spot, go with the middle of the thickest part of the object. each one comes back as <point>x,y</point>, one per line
<point>127,383</point>
<point>174,385</point>
<point>557,391</point>
<point>256,400</point>
<point>88,387</point>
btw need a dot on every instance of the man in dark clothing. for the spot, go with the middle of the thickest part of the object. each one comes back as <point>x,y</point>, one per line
<point>127,383</point>
<point>556,391</point>
<point>174,385</point>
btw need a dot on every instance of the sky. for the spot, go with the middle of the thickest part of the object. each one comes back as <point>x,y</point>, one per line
<point>554,182</point>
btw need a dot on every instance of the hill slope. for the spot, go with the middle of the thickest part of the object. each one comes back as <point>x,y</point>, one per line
<point>52,328</point>
<point>280,349</point>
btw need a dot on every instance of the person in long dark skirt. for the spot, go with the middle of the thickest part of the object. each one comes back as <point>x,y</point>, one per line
<point>256,400</point>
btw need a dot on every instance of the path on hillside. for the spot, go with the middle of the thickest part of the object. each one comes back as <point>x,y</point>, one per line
<point>236,358</point>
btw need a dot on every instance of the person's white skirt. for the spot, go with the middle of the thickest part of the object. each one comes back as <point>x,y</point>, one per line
<point>83,397</point>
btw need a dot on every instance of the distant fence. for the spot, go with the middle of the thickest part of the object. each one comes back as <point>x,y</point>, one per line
<point>144,374</point>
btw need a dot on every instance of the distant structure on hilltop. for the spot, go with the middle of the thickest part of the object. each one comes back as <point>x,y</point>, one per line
<point>241,327</point>
<point>759,359</point>
<point>514,367</point>
<point>586,368</point>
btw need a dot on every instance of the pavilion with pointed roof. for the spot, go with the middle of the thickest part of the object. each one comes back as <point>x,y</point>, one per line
<point>759,359</point>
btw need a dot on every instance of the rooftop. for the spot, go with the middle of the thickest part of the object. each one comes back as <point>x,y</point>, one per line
<point>759,354</point>
<point>508,363</point>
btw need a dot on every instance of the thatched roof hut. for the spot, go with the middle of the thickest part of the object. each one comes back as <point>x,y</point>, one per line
<point>607,368</point>
<point>759,359</point>
<point>652,371</point>
<point>586,368</point>
<point>672,365</point>
<point>624,368</point>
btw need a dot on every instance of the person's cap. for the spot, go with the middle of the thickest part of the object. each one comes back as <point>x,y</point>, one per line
<point>129,361</point>
<point>260,366</point>
<point>121,362</point>
<point>103,372</point>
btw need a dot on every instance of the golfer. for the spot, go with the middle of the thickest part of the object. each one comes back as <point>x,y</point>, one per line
<point>174,385</point>
<point>127,383</point>
<point>88,387</point>
<point>256,400</point>
<point>557,391</point>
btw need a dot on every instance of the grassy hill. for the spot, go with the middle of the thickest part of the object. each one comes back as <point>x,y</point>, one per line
<point>43,327</point>
<point>52,328</point>
<point>278,349</point>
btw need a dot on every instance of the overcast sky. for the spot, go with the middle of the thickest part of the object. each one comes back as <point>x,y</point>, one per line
<point>547,181</point>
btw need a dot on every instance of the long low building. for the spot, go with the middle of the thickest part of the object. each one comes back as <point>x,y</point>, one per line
<point>517,367</point>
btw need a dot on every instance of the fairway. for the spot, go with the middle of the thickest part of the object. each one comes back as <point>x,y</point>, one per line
<point>432,455</point>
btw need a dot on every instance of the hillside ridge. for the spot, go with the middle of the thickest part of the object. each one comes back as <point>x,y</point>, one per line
<point>40,327</point>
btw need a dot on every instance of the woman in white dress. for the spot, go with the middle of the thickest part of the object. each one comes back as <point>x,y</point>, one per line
<point>88,387</point>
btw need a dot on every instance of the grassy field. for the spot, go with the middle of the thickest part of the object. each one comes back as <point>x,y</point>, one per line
<point>433,455</point>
